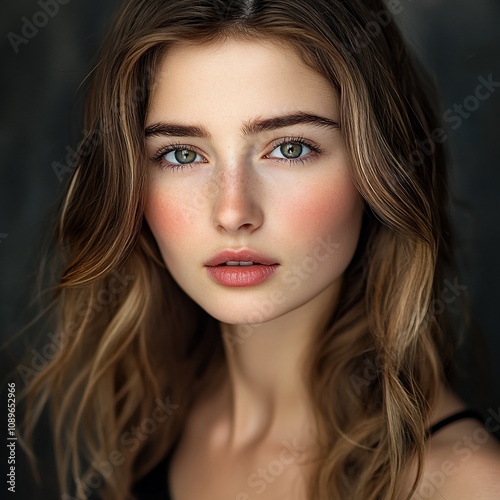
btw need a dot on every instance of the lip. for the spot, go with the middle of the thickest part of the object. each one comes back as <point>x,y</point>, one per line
<point>241,276</point>
<point>240,255</point>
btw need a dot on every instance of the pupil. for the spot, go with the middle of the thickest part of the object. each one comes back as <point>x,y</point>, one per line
<point>185,156</point>
<point>291,150</point>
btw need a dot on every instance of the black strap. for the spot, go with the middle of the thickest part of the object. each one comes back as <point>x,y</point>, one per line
<point>453,418</point>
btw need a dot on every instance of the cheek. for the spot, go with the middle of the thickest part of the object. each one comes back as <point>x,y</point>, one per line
<point>167,217</point>
<point>326,209</point>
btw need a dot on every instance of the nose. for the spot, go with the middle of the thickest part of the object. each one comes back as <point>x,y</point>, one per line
<point>236,205</point>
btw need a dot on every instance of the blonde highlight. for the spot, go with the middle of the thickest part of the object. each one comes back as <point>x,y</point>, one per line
<point>115,365</point>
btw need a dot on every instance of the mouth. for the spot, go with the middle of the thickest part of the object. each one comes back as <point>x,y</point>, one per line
<point>243,268</point>
<point>240,258</point>
<point>239,263</point>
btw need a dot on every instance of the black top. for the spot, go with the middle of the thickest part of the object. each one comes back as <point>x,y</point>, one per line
<point>154,485</point>
<point>461,415</point>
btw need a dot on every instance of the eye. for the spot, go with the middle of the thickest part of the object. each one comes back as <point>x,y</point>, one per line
<point>177,157</point>
<point>181,156</point>
<point>294,150</point>
<point>290,150</point>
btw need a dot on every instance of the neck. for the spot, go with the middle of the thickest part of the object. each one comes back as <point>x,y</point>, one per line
<point>265,394</point>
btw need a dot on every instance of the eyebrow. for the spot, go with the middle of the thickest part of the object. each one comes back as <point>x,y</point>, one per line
<point>251,127</point>
<point>257,126</point>
<point>161,128</point>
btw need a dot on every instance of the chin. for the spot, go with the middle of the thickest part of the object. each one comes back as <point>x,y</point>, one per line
<point>241,314</point>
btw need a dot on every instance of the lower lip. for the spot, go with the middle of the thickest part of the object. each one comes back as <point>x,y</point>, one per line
<point>241,275</point>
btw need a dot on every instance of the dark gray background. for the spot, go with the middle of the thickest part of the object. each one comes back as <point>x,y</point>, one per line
<point>40,102</point>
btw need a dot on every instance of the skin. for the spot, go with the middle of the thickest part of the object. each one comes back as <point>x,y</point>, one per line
<point>239,194</point>
<point>462,460</point>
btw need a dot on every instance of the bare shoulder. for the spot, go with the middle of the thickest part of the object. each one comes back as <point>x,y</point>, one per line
<point>462,462</point>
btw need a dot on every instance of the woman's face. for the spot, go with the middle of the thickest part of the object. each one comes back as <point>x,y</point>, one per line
<point>248,165</point>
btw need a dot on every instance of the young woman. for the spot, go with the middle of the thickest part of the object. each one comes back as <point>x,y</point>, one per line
<point>255,243</point>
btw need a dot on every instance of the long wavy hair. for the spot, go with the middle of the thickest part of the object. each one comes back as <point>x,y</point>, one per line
<point>131,341</point>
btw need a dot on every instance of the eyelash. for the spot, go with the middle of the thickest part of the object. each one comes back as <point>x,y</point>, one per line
<point>158,157</point>
<point>315,151</point>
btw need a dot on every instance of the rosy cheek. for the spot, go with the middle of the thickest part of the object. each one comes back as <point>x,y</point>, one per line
<point>165,217</point>
<point>323,210</point>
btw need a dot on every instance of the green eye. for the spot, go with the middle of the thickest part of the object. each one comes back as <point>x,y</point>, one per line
<point>291,149</point>
<point>184,156</point>
<point>178,156</point>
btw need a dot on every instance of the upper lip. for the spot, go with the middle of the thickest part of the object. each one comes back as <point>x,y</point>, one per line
<point>241,256</point>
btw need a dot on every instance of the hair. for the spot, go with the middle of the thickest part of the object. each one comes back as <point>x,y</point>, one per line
<point>373,371</point>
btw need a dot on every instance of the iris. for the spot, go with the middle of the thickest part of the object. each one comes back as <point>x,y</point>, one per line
<point>291,149</point>
<point>185,156</point>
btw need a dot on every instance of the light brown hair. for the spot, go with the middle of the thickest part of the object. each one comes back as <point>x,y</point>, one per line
<point>152,341</point>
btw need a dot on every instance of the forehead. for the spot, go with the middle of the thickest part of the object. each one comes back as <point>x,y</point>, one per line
<point>237,78</point>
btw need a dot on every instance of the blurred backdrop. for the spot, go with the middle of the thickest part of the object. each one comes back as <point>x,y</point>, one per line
<point>46,57</point>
